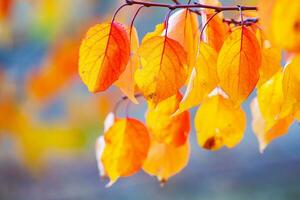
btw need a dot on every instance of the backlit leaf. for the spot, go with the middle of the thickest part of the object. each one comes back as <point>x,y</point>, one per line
<point>126,81</point>
<point>126,147</point>
<point>166,128</point>
<point>270,58</point>
<point>164,68</point>
<point>203,79</point>
<point>183,27</point>
<point>285,25</point>
<point>291,86</point>
<point>219,123</point>
<point>164,160</point>
<point>104,54</point>
<point>238,64</point>
<point>266,134</point>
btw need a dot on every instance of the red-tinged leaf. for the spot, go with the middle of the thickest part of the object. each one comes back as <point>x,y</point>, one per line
<point>238,64</point>
<point>104,54</point>
<point>164,68</point>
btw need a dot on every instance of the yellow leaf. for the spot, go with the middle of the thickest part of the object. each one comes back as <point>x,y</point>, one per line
<point>126,147</point>
<point>183,27</point>
<point>203,80</point>
<point>291,86</point>
<point>164,160</point>
<point>238,64</point>
<point>159,29</point>
<point>285,25</point>
<point>266,134</point>
<point>164,68</point>
<point>166,128</point>
<point>219,123</point>
<point>270,98</point>
<point>104,54</point>
<point>126,81</point>
<point>270,58</point>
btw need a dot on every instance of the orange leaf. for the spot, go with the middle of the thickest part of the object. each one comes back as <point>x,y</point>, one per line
<point>104,54</point>
<point>164,160</point>
<point>126,80</point>
<point>219,123</point>
<point>159,29</point>
<point>164,68</point>
<point>183,27</point>
<point>266,134</point>
<point>238,64</point>
<point>166,128</point>
<point>216,31</point>
<point>203,79</point>
<point>126,147</point>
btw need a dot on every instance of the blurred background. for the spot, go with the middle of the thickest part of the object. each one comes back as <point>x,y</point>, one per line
<point>49,122</point>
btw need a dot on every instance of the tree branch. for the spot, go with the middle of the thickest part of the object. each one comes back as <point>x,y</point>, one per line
<point>196,5</point>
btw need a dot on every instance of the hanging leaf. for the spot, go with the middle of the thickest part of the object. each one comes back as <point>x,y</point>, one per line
<point>126,147</point>
<point>166,128</point>
<point>164,68</point>
<point>291,86</point>
<point>183,27</point>
<point>104,54</point>
<point>203,79</point>
<point>159,29</point>
<point>265,134</point>
<point>270,58</point>
<point>238,64</point>
<point>126,81</point>
<point>286,31</point>
<point>219,123</point>
<point>164,160</point>
<point>270,98</point>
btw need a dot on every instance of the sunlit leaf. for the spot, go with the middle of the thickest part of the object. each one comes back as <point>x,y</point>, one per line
<point>164,68</point>
<point>166,128</point>
<point>183,27</point>
<point>164,160</point>
<point>238,64</point>
<point>264,133</point>
<point>104,54</point>
<point>270,58</point>
<point>291,86</point>
<point>219,123</point>
<point>285,24</point>
<point>126,147</point>
<point>126,80</point>
<point>203,79</point>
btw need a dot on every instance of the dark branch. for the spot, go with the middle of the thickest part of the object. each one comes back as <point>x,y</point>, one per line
<point>196,5</point>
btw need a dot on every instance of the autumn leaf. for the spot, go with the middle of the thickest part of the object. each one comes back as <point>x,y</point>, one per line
<point>126,81</point>
<point>238,64</point>
<point>285,24</point>
<point>164,68</point>
<point>104,54</point>
<point>158,31</point>
<point>291,86</point>
<point>183,27</point>
<point>264,133</point>
<point>166,128</point>
<point>219,123</point>
<point>270,99</point>
<point>126,147</point>
<point>164,161</point>
<point>203,80</point>
<point>270,58</point>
